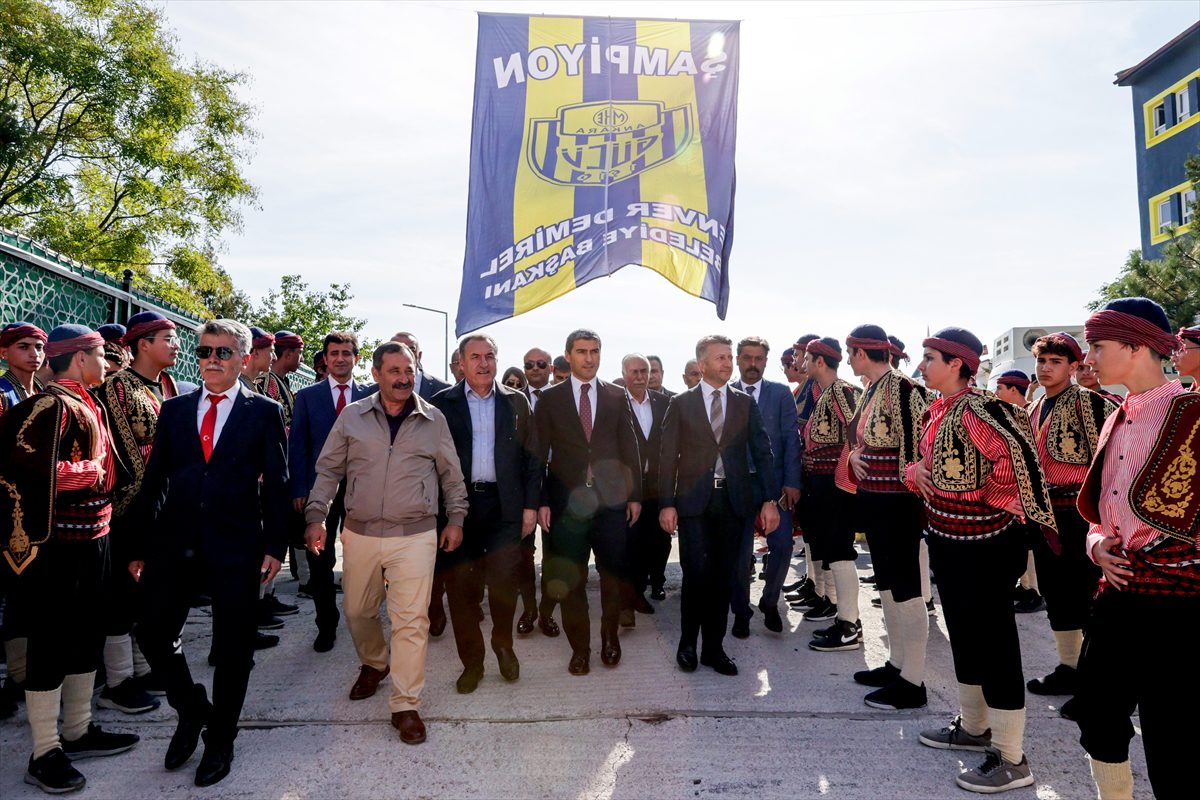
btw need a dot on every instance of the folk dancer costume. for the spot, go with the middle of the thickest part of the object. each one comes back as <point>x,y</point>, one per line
<point>806,396</point>
<point>1141,489</point>
<point>827,503</point>
<point>115,351</point>
<point>1189,336</point>
<point>886,425</point>
<point>1066,428</point>
<point>56,554</point>
<point>133,403</point>
<point>13,392</point>
<point>987,486</point>
<point>279,387</point>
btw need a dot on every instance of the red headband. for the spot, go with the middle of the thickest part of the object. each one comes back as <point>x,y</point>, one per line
<point>868,344</point>
<point>80,343</point>
<point>1013,380</point>
<point>13,335</point>
<point>288,342</point>
<point>897,352</point>
<point>145,328</point>
<point>1191,334</point>
<point>819,348</point>
<point>266,340</point>
<point>1118,326</point>
<point>955,350</point>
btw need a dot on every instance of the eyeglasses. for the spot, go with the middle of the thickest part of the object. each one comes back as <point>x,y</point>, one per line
<point>538,364</point>
<point>203,351</point>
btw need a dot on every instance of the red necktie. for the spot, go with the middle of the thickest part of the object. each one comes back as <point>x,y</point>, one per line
<point>585,411</point>
<point>341,403</point>
<point>208,427</point>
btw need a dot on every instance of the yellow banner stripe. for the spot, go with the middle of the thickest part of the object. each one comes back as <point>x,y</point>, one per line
<point>680,181</point>
<point>535,201</point>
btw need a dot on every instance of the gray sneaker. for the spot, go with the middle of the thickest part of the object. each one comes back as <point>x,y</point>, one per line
<point>955,737</point>
<point>996,775</point>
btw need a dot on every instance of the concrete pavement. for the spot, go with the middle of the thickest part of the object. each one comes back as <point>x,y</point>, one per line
<point>791,725</point>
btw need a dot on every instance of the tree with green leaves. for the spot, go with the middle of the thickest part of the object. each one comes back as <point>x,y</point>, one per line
<point>1173,281</point>
<point>312,314</point>
<point>117,152</point>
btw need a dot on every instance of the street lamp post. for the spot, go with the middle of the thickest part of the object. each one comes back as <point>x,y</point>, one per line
<point>445,335</point>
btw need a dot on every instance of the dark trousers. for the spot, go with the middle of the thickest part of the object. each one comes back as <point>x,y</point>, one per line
<point>527,577</point>
<point>63,610</point>
<point>1121,669</point>
<point>122,603</point>
<point>708,548</point>
<point>975,580</point>
<point>1067,580</point>
<point>894,524</point>
<point>490,555</point>
<point>168,583</point>
<point>779,558</point>
<point>320,568</point>
<point>647,548</point>
<point>572,537</point>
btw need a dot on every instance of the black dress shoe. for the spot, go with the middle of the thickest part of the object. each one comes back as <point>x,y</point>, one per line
<point>510,667</point>
<point>548,625</point>
<point>264,641</point>
<point>720,663</point>
<point>437,624</point>
<point>642,606</point>
<point>525,623</point>
<point>626,619</point>
<point>771,619</point>
<point>470,678</point>
<point>579,662</point>
<point>741,628</point>
<point>183,742</point>
<point>610,649</point>
<point>324,641</point>
<point>685,657</point>
<point>214,764</point>
<point>657,593</point>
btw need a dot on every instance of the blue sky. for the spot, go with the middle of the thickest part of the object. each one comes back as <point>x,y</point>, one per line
<point>910,164</point>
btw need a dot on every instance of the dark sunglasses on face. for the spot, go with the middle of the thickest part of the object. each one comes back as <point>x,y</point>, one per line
<point>203,351</point>
<point>538,364</point>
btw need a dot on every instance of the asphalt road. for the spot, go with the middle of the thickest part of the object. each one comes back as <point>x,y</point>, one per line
<point>791,725</point>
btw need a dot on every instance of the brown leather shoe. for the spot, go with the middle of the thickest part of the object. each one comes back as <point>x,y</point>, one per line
<point>412,730</point>
<point>368,682</point>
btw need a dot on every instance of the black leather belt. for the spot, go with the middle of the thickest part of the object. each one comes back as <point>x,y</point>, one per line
<point>719,483</point>
<point>483,486</point>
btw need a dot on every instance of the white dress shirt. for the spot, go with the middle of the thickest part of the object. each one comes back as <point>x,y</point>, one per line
<point>336,392</point>
<point>535,396</point>
<point>483,434</point>
<point>643,412</point>
<point>417,383</point>
<point>753,389</point>
<point>223,409</point>
<point>575,384</point>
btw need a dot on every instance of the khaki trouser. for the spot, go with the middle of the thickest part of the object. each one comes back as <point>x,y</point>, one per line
<point>401,567</point>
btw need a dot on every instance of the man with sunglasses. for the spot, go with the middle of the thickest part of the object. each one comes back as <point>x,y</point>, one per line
<point>212,512</point>
<point>133,398</point>
<point>538,367</point>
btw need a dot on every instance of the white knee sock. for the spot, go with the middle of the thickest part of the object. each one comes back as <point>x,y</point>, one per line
<point>1029,579</point>
<point>890,624</point>
<point>1068,644</point>
<point>923,560</point>
<point>818,578</point>
<point>14,656</point>
<point>845,581</point>
<point>77,704</point>
<point>118,659</point>
<point>973,708</point>
<point>1113,781</point>
<point>808,563</point>
<point>1008,733</point>
<point>913,631</point>
<point>141,667</point>
<point>42,708</point>
<point>831,593</point>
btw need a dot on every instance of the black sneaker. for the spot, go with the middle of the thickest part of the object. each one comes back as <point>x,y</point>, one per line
<point>870,579</point>
<point>151,684</point>
<point>269,622</point>
<point>878,677</point>
<point>822,611</point>
<point>1064,680</point>
<point>304,591</point>
<point>899,695</point>
<point>98,742</point>
<point>53,773</point>
<point>842,636</point>
<point>877,602</point>
<point>929,609</point>
<point>795,586</point>
<point>804,597</point>
<point>127,697</point>
<point>273,605</point>
<point>1029,602</point>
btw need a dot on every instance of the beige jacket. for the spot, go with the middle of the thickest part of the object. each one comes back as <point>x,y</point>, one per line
<point>391,488</point>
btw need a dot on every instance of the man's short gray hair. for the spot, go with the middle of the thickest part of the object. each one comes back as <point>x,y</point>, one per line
<point>228,327</point>
<point>633,356</point>
<point>716,338</point>
<point>477,337</point>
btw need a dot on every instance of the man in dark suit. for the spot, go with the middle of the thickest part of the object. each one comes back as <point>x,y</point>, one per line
<point>317,408</point>
<point>778,409</point>
<point>538,368</point>
<point>214,508</point>
<point>586,440</point>
<point>647,545</point>
<point>710,435</point>
<point>492,428</point>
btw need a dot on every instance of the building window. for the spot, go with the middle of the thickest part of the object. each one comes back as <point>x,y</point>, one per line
<point>1186,200</point>
<point>1160,118</point>
<point>1182,107</point>
<point>1164,216</point>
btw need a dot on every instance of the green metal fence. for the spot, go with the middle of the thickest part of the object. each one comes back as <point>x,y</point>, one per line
<point>48,289</point>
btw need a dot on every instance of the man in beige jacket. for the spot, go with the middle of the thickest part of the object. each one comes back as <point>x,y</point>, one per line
<point>395,452</point>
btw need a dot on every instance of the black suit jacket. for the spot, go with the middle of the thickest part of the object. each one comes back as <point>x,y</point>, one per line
<point>219,506</point>
<point>430,386</point>
<point>312,420</point>
<point>612,452</point>
<point>517,475</point>
<point>649,447</point>
<point>689,454</point>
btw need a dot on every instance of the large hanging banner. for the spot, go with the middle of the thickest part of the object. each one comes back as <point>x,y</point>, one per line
<point>597,143</point>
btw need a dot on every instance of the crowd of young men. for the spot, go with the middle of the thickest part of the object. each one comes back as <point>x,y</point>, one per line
<point>122,489</point>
